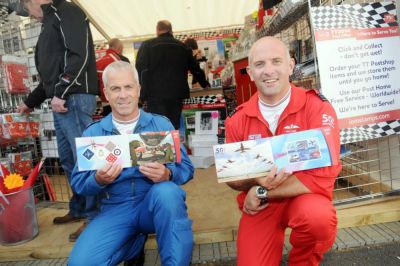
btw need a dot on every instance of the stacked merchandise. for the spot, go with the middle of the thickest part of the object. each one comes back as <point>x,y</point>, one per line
<point>20,162</point>
<point>204,118</point>
<point>15,126</point>
<point>15,72</point>
<point>246,38</point>
<point>205,136</point>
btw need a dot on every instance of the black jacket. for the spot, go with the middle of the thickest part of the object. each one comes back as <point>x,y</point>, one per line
<point>163,64</point>
<point>64,54</point>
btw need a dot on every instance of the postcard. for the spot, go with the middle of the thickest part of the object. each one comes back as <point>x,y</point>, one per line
<point>254,158</point>
<point>129,150</point>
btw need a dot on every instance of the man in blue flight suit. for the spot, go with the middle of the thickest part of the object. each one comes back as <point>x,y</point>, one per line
<point>135,201</point>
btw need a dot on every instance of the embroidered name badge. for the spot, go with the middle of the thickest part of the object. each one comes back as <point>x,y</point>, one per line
<point>256,136</point>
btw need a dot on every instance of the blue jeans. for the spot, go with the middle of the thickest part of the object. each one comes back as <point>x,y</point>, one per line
<point>69,126</point>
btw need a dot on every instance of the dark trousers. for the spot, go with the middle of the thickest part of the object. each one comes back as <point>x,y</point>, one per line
<point>171,108</point>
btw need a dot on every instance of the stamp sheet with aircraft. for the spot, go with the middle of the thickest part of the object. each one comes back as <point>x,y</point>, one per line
<point>295,151</point>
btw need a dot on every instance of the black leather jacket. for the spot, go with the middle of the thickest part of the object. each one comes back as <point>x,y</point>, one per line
<point>64,54</point>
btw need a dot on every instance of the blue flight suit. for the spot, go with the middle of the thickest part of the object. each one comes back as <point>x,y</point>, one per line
<point>133,206</point>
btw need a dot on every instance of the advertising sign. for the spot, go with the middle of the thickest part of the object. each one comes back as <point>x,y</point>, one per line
<point>359,61</point>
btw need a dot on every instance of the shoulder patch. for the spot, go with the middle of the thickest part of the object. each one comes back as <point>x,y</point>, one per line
<point>320,95</point>
<point>232,112</point>
<point>235,110</point>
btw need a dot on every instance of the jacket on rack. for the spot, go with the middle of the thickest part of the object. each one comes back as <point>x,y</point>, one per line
<point>163,64</point>
<point>64,54</point>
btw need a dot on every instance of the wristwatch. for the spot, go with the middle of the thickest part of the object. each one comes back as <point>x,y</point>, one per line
<point>262,194</point>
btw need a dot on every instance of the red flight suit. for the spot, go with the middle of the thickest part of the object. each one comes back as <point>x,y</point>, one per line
<point>312,217</point>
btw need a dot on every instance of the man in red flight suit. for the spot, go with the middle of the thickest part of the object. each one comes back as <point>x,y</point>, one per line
<point>300,200</point>
<point>113,53</point>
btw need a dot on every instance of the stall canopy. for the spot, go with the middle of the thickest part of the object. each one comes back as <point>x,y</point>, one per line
<point>138,18</point>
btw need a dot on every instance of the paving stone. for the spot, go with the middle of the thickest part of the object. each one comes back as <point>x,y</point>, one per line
<point>231,245</point>
<point>364,233</point>
<point>206,252</point>
<point>347,239</point>
<point>224,250</point>
<point>381,236</point>
<point>61,262</point>
<point>394,227</point>
<point>196,253</point>
<point>217,253</point>
<point>386,231</point>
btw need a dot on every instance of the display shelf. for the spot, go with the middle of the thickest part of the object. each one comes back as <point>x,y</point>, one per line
<point>289,12</point>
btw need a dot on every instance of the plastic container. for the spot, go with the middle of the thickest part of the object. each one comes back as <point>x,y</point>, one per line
<point>18,220</point>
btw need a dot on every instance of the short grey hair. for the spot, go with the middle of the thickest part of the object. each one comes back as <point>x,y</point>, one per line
<point>117,66</point>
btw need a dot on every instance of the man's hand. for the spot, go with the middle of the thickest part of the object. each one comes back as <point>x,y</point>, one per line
<point>252,203</point>
<point>57,105</point>
<point>156,172</point>
<point>23,108</point>
<point>273,179</point>
<point>108,173</point>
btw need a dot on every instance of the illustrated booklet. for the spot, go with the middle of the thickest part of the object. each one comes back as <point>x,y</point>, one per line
<point>295,151</point>
<point>129,150</point>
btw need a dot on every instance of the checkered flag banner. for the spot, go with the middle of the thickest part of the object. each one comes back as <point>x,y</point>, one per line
<point>372,131</point>
<point>357,16</point>
<point>208,99</point>
<point>209,34</point>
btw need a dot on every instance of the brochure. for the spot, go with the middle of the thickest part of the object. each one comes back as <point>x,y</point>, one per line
<point>129,150</point>
<point>295,151</point>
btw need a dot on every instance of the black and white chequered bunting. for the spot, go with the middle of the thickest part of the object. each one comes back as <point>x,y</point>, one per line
<point>372,131</point>
<point>208,99</point>
<point>357,16</point>
<point>209,34</point>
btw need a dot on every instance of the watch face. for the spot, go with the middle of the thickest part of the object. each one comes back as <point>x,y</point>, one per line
<point>261,192</point>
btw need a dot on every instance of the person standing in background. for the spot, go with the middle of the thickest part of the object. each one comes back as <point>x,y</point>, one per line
<point>65,60</point>
<point>163,64</point>
<point>113,53</point>
<point>192,44</point>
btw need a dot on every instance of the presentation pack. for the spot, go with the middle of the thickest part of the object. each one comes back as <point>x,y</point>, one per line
<point>295,151</point>
<point>128,150</point>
